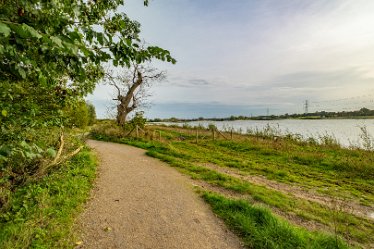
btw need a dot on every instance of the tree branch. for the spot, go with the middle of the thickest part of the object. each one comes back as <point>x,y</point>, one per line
<point>111,78</point>
<point>59,150</point>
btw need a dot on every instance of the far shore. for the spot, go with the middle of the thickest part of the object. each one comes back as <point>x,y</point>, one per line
<point>174,120</point>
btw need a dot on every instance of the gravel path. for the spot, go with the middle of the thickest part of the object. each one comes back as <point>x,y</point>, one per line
<point>140,202</point>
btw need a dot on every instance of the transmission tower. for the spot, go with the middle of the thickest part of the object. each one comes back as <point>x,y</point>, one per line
<point>306,107</point>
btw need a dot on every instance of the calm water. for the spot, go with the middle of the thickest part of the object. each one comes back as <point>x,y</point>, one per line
<point>346,131</point>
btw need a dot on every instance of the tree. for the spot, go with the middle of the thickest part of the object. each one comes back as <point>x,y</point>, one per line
<point>131,85</point>
<point>52,52</point>
<point>50,41</point>
<point>79,114</point>
<point>51,56</point>
<point>91,113</point>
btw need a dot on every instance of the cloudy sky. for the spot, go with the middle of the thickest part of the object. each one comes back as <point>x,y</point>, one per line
<point>242,57</point>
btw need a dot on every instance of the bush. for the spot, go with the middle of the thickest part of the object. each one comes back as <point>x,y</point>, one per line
<point>137,120</point>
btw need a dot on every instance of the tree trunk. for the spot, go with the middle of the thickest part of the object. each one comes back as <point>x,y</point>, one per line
<point>121,114</point>
<point>124,107</point>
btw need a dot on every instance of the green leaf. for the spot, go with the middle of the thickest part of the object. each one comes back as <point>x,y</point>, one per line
<point>30,155</point>
<point>75,36</point>
<point>56,41</point>
<point>4,29</point>
<point>37,149</point>
<point>22,72</point>
<point>31,31</point>
<point>26,31</point>
<point>100,38</point>
<point>4,113</point>
<point>3,158</point>
<point>24,145</point>
<point>42,79</point>
<point>51,152</point>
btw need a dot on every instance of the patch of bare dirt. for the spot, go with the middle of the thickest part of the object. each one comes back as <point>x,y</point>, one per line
<point>291,217</point>
<point>140,202</point>
<point>333,203</point>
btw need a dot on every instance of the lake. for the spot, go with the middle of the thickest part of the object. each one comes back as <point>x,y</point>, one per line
<point>346,131</point>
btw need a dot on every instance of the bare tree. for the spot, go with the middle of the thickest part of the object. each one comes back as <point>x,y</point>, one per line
<point>132,85</point>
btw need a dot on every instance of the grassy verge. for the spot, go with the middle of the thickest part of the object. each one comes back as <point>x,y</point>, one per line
<point>342,222</point>
<point>260,229</point>
<point>41,214</point>
<point>338,171</point>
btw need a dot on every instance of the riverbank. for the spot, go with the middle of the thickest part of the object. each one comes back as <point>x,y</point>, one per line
<point>350,133</point>
<point>317,187</point>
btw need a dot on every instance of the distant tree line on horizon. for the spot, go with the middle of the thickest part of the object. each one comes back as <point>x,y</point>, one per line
<point>363,112</point>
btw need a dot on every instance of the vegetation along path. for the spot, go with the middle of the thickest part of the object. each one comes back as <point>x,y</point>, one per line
<point>140,202</point>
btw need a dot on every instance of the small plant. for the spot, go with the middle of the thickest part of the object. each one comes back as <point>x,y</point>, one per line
<point>137,120</point>
<point>227,128</point>
<point>110,130</point>
<point>212,127</point>
<point>328,140</point>
<point>267,132</point>
<point>312,141</point>
<point>340,218</point>
<point>366,138</point>
<point>200,127</point>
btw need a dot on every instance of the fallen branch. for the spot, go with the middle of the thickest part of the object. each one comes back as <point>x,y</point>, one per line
<point>71,154</point>
<point>55,162</point>
<point>58,155</point>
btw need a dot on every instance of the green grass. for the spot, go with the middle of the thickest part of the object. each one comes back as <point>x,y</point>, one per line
<point>360,229</point>
<point>342,172</point>
<point>41,214</point>
<point>332,170</point>
<point>259,228</point>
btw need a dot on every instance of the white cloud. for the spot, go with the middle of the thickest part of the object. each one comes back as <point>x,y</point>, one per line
<point>234,52</point>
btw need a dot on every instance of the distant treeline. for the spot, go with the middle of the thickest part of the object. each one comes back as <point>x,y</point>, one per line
<point>362,113</point>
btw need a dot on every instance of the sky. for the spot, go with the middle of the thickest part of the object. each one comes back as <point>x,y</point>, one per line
<point>253,57</point>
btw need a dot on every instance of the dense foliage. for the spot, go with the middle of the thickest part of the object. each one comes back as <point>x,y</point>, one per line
<point>80,115</point>
<point>52,54</point>
<point>52,42</point>
<point>41,214</point>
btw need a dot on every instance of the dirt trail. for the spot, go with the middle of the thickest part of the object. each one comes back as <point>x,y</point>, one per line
<point>139,202</point>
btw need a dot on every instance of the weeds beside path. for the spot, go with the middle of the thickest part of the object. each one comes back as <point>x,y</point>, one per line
<point>140,202</point>
<point>41,213</point>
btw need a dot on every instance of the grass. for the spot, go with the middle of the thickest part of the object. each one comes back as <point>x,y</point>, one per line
<point>41,214</point>
<point>306,166</point>
<point>334,171</point>
<point>360,229</point>
<point>259,228</point>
